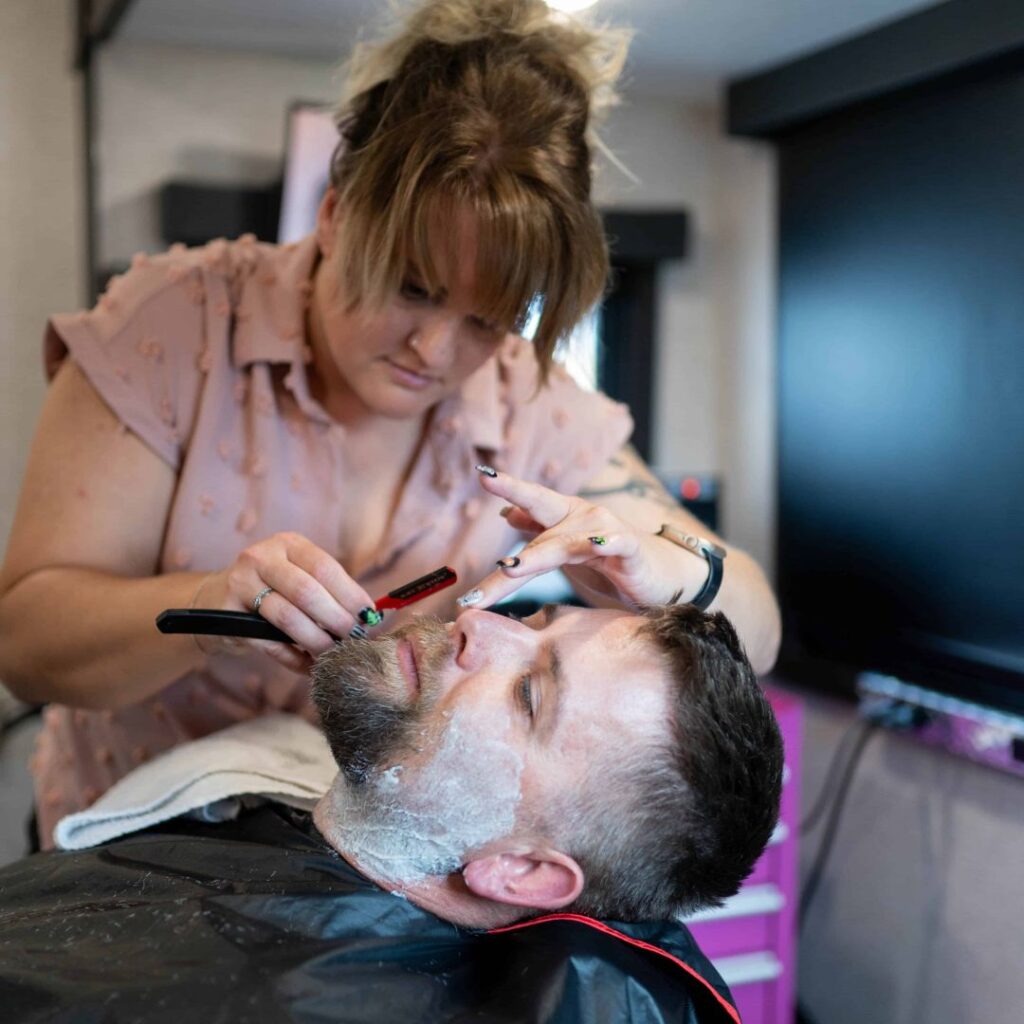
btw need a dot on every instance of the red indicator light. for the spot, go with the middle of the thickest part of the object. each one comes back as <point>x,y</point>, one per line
<point>690,488</point>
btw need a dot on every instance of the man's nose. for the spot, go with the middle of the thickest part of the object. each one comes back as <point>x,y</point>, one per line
<point>482,637</point>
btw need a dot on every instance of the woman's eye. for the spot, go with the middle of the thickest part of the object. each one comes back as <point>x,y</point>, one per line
<point>526,695</point>
<point>416,293</point>
<point>487,326</point>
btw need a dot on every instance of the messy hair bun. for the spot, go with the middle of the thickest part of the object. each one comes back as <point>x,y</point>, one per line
<point>486,107</point>
<point>593,56</point>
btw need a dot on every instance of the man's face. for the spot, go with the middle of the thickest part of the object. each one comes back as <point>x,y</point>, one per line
<point>463,733</point>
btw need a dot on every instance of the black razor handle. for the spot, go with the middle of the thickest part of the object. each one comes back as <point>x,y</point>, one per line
<point>210,622</point>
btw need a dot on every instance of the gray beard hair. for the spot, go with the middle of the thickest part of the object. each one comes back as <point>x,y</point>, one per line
<point>363,727</point>
<point>407,826</point>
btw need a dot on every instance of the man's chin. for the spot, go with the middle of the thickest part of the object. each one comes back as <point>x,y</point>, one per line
<point>362,720</point>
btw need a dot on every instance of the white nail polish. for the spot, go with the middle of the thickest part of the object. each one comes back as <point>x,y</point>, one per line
<point>471,597</point>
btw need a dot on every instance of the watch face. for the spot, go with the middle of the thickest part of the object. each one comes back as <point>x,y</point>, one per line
<point>712,549</point>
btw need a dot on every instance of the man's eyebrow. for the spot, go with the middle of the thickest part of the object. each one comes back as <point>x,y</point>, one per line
<point>550,612</point>
<point>554,671</point>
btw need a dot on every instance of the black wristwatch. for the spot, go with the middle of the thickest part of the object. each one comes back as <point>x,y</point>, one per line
<point>713,553</point>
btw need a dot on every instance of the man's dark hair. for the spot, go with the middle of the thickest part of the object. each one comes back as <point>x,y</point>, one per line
<point>679,827</point>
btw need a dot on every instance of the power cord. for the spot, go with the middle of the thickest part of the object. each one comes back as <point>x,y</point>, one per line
<point>893,714</point>
<point>821,803</point>
<point>876,711</point>
<point>863,732</point>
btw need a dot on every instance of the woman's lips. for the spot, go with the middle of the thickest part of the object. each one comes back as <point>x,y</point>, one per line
<point>407,378</point>
<point>409,669</point>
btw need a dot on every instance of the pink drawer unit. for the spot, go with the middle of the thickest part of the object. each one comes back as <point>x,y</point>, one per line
<point>754,980</point>
<point>752,938</point>
<point>769,867</point>
<point>749,922</point>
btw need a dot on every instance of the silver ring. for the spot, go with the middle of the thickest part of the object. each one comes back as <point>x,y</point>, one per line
<point>258,599</point>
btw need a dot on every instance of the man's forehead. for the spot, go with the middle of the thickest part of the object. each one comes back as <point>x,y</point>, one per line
<point>612,669</point>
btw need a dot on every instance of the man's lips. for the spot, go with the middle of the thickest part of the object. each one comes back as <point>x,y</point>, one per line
<point>408,666</point>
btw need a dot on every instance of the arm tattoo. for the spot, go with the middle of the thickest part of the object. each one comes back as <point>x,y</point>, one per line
<point>642,483</point>
<point>635,486</point>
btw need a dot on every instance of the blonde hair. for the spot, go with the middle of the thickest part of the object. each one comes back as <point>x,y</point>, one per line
<point>485,106</point>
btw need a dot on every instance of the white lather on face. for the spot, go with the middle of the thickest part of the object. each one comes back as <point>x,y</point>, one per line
<point>406,824</point>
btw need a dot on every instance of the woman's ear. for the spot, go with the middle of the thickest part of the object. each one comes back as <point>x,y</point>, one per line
<point>327,219</point>
<point>542,879</point>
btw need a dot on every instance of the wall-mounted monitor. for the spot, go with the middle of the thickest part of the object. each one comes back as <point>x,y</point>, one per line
<point>311,138</point>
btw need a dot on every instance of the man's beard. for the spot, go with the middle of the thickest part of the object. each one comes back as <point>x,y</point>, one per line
<point>355,687</point>
<point>401,823</point>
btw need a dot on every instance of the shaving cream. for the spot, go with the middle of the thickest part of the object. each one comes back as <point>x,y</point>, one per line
<point>407,823</point>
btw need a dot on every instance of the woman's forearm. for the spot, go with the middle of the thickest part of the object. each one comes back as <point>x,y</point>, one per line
<point>88,638</point>
<point>747,601</point>
<point>745,597</point>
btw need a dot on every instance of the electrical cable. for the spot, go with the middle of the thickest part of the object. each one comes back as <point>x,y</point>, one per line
<point>821,802</point>
<point>803,1015</point>
<point>866,730</point>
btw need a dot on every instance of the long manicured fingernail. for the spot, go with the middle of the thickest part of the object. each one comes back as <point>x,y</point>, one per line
<point>357,633</point>
<point>370,616</point>
<point>486,470</point>
<point>507,563</point>
<point>505,511</point>
<point>599,541</point>
<point>470,597</point>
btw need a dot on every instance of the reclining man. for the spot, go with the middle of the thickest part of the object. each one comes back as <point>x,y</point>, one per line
<point>589,762</point>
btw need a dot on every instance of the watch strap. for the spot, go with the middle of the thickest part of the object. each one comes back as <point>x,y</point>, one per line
<point>712,553</point>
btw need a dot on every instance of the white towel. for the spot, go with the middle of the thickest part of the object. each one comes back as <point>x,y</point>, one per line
<point>278,756</point>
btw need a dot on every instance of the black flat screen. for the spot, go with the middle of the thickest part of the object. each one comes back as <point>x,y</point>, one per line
<point>901,388</point>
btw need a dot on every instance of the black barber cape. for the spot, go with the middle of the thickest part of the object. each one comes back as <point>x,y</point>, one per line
<point>260,920</point>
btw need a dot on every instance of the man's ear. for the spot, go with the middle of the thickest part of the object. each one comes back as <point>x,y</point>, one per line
<point>543,879</point>
<point>327,218</point>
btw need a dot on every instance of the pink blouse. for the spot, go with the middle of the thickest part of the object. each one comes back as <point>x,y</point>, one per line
<point>201,353</point>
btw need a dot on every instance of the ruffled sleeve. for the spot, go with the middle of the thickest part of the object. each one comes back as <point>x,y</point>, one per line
<point>142,347</point>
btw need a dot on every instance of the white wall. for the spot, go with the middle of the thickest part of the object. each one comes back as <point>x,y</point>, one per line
<point>714,372</point>
<point>184,113</point>
<point>41,225</point>
<point>41,270</point>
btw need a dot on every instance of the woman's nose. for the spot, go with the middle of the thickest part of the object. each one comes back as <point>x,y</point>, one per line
<point>482,637</point>
<point>436,339</point>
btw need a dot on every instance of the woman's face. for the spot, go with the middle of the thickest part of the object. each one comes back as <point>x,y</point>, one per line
<point>399,360</point>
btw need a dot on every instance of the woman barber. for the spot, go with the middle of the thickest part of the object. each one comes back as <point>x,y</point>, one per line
<point>295,429</point>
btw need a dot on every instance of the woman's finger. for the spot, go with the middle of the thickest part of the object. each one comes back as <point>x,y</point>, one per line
<point>551,552</point>
<point>328,572</point>
<point>546,506</point>
<point>277,608</point>
<point>546,554</point>
<point>521,521</point>
<point>293,658</point>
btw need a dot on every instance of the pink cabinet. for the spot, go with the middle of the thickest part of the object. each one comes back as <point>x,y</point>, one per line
<point>752,938</point>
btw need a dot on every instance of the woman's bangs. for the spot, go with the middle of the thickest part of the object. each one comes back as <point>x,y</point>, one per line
<point>513,258</point>
<point>517,258</point>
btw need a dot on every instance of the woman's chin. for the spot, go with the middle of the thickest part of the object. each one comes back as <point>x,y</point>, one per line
<point>398,404</point>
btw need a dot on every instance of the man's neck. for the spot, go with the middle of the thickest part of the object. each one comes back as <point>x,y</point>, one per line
<point>445,896</point>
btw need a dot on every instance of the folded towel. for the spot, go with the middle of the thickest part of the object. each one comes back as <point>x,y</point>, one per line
<point>278,756</point>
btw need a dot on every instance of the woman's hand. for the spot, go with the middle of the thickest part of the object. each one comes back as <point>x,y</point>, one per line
<point>634,566</point>
<point>312,598</point>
